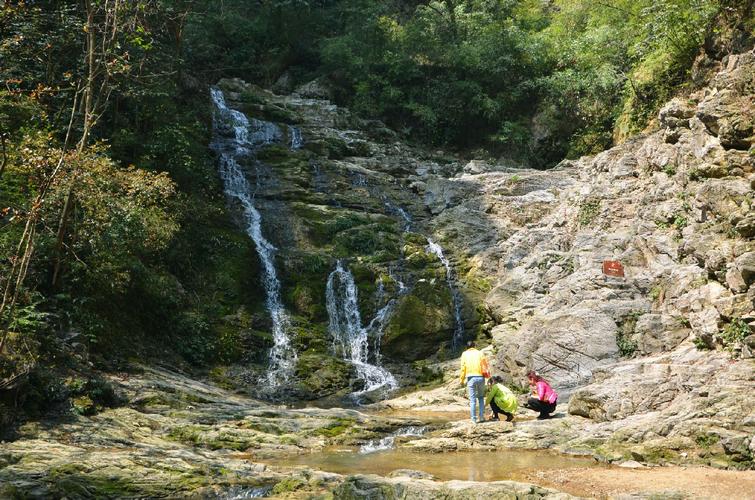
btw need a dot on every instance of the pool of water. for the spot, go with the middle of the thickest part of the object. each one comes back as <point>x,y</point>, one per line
<point>466,465</point>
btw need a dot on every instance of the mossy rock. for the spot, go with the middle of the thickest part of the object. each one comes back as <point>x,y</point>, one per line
<point>330,147</point>
<point>321,375</point>
<point>311,338</point>
<point>336,428</point>
<point>253,102</point>
<point>368,241</point>
<point>423,321</point>
<point>275,154</point>
<point>309,264</point>
<point>206,437</point>
<point>288,485</point>
<point>306,300</point>
<point>324,223</point>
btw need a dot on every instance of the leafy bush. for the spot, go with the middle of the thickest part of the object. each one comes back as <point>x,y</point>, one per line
<point>734,333</point>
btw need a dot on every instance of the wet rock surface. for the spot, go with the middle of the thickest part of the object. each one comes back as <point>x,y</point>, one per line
<point>177,437</point>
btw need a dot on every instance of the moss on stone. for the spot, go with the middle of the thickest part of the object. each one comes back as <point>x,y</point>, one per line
<point>288,485</point>
<point>321,375</point>
<point>305,299</point>
<point>422,322</point>
<point>368,240</point>
<point>311,338</point>
<point>219,376</point>
<point>336,427</point>
<point>189,434</point>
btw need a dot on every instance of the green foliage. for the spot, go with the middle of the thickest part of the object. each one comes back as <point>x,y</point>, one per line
<point>588,211</point>
<point>701,344</point>
<point>680,221</point>
<point>734,333</point>
<point>288,485</point>
<point>29,318</point>
<point>627,346</point>
<point>706,440</point>
<point>473,63</point>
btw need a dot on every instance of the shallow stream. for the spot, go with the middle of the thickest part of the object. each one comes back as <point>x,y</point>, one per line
<point>462,465</point>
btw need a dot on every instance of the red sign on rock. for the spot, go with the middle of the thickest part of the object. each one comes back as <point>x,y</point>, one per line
<point>613,268</point>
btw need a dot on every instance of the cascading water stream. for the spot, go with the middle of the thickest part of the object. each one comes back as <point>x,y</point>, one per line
<point>237,137</point>
<point>388,442</point>
<point>296,141</point>
<point>377,327</point>
<point>350,339</point>
<point>458,335</point>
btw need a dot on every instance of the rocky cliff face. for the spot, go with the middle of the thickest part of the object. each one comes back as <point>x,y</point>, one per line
<point>672,338</point>
<point>674,207</point>
<point>663,355</point>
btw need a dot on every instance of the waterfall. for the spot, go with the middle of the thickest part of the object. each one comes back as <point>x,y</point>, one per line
<point>396,210</point>
<point>296,139</point>
<point>237,137</point>
<point>377,327</point>
<point>458,335</point>
<point>350,339</point>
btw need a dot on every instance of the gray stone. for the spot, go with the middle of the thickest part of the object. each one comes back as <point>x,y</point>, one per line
<point>741,273</point>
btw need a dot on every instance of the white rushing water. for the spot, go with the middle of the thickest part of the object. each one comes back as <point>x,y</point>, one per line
<point>237,137</point>
<point>377,327</point>
<point>296,141</point>
<point>388,442</point>
<point>242,493</point>
<point>350,338</point>
<point>458,335</point>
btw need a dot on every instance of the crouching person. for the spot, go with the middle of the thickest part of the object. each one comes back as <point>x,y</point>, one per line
<point>544,398</point>
<point>501,399</point>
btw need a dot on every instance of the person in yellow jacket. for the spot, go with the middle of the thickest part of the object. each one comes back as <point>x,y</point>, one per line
<point>501,399</point>
<point>473,368</point>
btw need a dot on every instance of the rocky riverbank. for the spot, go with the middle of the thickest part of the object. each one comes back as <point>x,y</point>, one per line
<point>182,438</point>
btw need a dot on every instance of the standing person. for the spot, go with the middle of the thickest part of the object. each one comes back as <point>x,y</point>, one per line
<point>545,398</point>
<point>501,399</point>
<point>473,368</point>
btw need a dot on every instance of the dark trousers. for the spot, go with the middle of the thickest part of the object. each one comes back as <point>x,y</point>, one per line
<point>497,410</point>
<point>542,406</point>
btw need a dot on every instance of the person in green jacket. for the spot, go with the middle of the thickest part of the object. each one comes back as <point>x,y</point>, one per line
<point>501,399</point>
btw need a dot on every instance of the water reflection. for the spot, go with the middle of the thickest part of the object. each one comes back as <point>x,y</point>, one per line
<point>469,465</point>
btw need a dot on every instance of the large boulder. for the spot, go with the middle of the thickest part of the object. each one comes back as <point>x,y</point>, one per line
<point>642,385</point>
<point>566,346</point>
<point>741,273</point>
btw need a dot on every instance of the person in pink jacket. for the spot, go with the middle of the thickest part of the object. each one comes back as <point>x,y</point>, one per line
<point>545,398</point>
